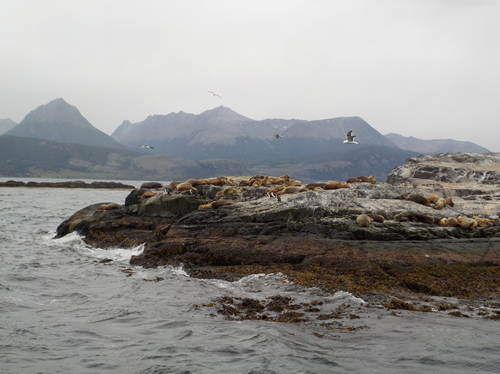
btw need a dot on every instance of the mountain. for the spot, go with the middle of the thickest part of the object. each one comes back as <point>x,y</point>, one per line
<point>32,157</point>
<point>223,133</point>
<point>6,124</point>
<point>434,146</point>
<point>62,122</point>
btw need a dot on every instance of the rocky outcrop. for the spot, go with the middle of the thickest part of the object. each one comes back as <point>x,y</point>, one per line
<point>313,235</point>
<point>67,184</point>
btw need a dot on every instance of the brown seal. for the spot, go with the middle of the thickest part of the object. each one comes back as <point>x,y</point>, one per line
<point>449,222</point>
<point>335,185</point>
<point>432,198</point>
<point>376,217</point>
<point>484,222</point>
<point>110,206</point>
<point>419,199</point>
<point>147,195</point>
<point>440,204</point>
<point>219,203</point>
<point>417,217</point>
<point>467,223</point>
<point>364,220</point>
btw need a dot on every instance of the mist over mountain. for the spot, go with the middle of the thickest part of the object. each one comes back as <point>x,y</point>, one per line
<point>435,145</point>
<point>6,124</point>
<point>62,122</point>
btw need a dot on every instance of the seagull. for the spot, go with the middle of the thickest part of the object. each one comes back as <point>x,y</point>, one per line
<point>145,146</point>
<point>277,136</point>
<point>350,138</point>
<point>213,93</point>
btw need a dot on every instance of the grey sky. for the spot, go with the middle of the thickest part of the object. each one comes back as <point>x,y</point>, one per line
<point>423,68</point>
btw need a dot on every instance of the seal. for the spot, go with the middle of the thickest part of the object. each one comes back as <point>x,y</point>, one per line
<point>466,222</point>
<point>228,191</point>
<point>335,185</point>
<point>147,195</point>
<point>440,204</point>
<point>364,220</point>
<point>219,203</point>
<point>449,201</point>
<point>110,206</point>
<point>484,222</point>
<point>432,198</point>
<point>312,186</point>
<point>419,199</point>
<point>449,222</point>
<point>151,185</point>
<point>292,189</point>
<point>417,217</point>
<point>184,187</point>
<point>376,217</point>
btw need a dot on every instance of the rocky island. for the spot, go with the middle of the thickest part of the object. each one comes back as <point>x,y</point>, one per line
<point>432,229</point>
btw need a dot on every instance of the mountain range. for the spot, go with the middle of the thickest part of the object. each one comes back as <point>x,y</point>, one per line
<point>435,145</point>
<point>219,140</point>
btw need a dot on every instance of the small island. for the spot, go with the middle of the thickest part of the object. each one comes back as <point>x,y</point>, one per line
<point>432,229</point>
<point>68,184</point>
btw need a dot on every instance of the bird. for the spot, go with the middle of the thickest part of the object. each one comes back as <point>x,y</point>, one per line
<point>277,136</point>
<point>350,138</point>
<point>213,93</point>
<point>146,146</point>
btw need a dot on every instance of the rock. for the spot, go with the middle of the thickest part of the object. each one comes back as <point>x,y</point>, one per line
<point>312,236</point>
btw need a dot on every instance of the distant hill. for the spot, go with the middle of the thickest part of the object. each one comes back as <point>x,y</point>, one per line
<point>6,124</point>
<point>32,157</point>
<point>223,133</point>
<point>434,146</point>
<point>61,122</point>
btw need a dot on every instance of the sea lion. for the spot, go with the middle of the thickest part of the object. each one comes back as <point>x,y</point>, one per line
<point>219,203</point>
<point>312,186</point>
<point>376,217</point>
<point>419,199</point>
<point>371,179</point>
<point>354,180</point>
<point>173,185</point>
<point>228,191</point>
<point>449,201</point>
<point>466,222</point>
<point>196,182</point>
<point>484,222</point>
<point>151,185</point>
<point>364,220</point>
<point>448,222</point>
<point>285,177</point>
<point>147,195</point>
<point>440,204</point>
<point>292,189</point>
<point>243,182</point>
<point>432,198</point>
<point>185,186</point>
<point>335,185</point>
<point>110,206</point>
<point>204,206</point>
<point>417,217</point>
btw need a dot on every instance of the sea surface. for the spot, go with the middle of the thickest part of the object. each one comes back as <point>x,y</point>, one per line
<point>65,310</point>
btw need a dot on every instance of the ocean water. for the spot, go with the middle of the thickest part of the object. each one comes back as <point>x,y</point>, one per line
<point>65,310</point>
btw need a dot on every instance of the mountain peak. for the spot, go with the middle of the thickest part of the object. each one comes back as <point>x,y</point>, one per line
<point>222,114</point>
<point>61,122</point>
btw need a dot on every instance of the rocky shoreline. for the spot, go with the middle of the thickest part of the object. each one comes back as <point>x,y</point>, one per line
<point>228,228</point>
<point>67,184</point>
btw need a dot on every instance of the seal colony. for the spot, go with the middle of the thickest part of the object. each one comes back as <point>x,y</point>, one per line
<point>354,235</point>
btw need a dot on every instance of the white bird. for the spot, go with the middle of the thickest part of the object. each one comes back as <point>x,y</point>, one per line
<point>145,146</point>
<point>277,136</point>
<point>350,138</point>
<point>213,93</point>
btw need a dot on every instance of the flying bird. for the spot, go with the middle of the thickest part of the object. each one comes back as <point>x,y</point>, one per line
<point>350,138</point>
<point>145,146</point>
<point>213,93</point>
<point>277,136</point>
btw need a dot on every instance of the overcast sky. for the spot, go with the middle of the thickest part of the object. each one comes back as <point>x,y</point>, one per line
<point>423,68</point>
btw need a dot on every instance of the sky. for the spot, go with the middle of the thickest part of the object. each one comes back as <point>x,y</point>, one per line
<point>423,68</point>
